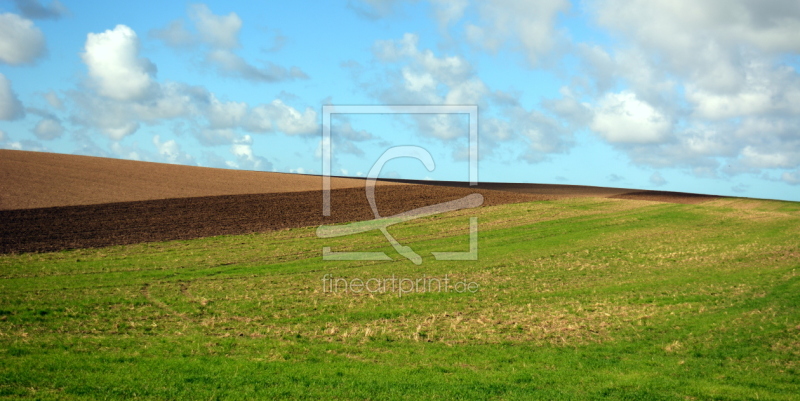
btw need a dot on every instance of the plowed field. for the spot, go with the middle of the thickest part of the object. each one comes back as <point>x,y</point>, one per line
<point>50,202</point>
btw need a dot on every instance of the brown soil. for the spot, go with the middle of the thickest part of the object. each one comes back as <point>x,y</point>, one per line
<point>50,201</point>
<point>662,196</point>
<point>37,179</point>
<point>569,191</point>
<point>57,228</point>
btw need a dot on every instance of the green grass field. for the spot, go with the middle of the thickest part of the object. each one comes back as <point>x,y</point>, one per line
<point>577,299</point>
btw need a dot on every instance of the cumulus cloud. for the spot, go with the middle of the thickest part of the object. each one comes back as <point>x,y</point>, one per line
<point>220,35</point>
<point>706,83</point>
<point>242,149</point>
<point>115,68</point>
<point>220,31</point>
<point>545,135</point>
<point>216,31</point>
<point>449,11</point>
<point>118,118</point>
<point>177,101</point>
<point>10,106</point>
<point>761,89</point>
<point>423,77</point>
<point>425,65</point>
<point>171,152</point>
<point>48,129</point>
<point>278,116</point>
<point>622,118</point>
<point>792,177</point>
<point>570,109</point>
<point>34,10</point>
<point>223,115</point>
<point>527,24</point>
<point>689,25</point>
<point>21,42</point>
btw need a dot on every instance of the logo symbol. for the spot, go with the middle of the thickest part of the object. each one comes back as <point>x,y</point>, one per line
<point>419,153</point>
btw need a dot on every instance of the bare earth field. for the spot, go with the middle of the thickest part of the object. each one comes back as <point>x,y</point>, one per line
<point>37,179</point>
<point>50,202</point>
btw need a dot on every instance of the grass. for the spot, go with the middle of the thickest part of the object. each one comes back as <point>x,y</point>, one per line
<point>578,299</point>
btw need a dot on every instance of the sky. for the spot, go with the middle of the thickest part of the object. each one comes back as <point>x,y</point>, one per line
<point>674,95</point>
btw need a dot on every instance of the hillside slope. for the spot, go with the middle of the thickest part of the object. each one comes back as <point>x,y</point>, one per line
<point>37,179</point>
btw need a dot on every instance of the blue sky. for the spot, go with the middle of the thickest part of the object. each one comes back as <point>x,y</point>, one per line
<point>679,95</point>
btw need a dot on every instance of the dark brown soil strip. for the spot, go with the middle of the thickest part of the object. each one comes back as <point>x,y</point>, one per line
<point>671,197</point>
<point>89,226</point>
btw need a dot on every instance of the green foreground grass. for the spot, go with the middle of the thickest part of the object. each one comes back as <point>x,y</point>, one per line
<point>578,299</point>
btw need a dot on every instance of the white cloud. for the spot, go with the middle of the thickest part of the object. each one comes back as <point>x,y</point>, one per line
<point>495,128</point>
<point>529,24</point>
<point>715,71</point>
<point>225,115</point>
<point>3,136</point>
<point>242,149</point>
<point>10,106</point>
<point>48,129</point>
<point>470,91</point>
<point>792,178</point>
<point>428,79</point>
<point>114,64</point>
<point>752,157</point>
<point>170,152</point>
<point>220,31</point>
<point>221,35</point>
<point>449,11</point>
<point>574,112</point>
<point>760,89</point>
<point>26,144</point>
<point>20,41</point>
<point>622,118</point>
<point>125,152</point>
<point>545,135</point>
<point>448,70</point>
<point>677,26</point>
<point>119,118</point>
<point>277,116</point>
